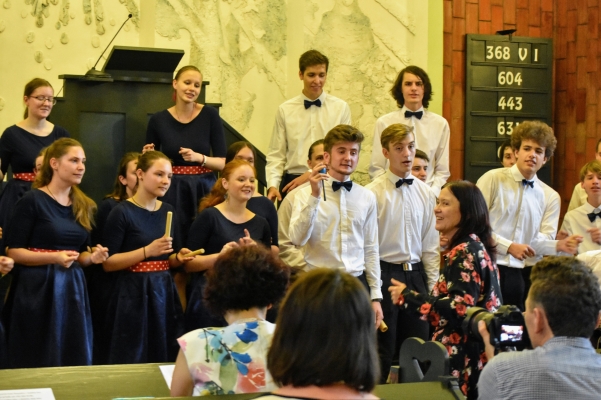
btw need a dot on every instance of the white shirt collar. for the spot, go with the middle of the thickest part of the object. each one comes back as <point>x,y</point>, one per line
<point>394,178</point>
<point>517,175</point>
<point>322,97</point>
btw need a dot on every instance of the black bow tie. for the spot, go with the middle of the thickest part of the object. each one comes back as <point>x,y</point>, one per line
<point>312,103</point>
<point>348,185</point>
<point>400,182</point>
<point>409,114</point>
<point>593,215</point>
<point>528,183</point>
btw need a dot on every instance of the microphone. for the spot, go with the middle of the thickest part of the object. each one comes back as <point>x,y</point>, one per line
<point>93,73</point>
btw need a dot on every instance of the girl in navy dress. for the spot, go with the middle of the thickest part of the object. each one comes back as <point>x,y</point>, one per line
<point>47,314</point>
<point>258,204</point>
<point>21,143</point>
<point>224,222</point>
<point>144,316</point>
<point>100,283</point>
<point>190,134</point>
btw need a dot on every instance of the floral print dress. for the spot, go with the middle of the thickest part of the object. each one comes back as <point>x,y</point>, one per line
<point>229,360</point>
<point>468,278</point>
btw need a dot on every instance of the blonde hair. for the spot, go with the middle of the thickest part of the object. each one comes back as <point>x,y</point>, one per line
<point>395,133</point>
<point>83,206</point>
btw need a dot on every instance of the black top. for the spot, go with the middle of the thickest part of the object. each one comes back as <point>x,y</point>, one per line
<point>40,222</point>
<point>19,148</point>
<point>203,134</point>
<point>130,227</point>
<point>104,209</point>
<point>211,231</point>
<point>265,208</point>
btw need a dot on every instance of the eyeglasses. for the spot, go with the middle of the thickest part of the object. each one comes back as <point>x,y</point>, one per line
<point>43,99</point>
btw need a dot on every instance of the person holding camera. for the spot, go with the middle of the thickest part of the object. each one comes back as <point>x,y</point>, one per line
<point>562,310</point>
<point>469,278</point>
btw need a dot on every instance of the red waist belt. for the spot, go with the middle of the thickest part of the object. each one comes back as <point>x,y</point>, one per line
<point>45,250</point>
<point>190,170</point>
<point>150,266</point>
<point>25,176</point>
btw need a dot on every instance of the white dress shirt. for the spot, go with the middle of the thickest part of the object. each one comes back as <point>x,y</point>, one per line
<point>341,232</point>
<point>431,134</point>
<point>516,213</point>
<point>593,260</point>
<point>548,230</point>
<point>406,223</point>
<point>296,128</point>
<point>579,197</point>
<point>292,255</point>
<point>576,222</point>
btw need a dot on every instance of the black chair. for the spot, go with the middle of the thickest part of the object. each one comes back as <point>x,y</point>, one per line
<point>417,356</point>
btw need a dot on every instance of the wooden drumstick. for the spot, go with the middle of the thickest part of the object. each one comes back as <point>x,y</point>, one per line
<point>168,226</point>
<point>383,327</point>
<point>195,253</point>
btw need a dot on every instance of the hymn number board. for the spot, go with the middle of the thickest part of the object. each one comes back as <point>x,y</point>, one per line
<point>507,82</point>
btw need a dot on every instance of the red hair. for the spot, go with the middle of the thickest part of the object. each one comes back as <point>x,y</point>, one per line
<point>217,195</point>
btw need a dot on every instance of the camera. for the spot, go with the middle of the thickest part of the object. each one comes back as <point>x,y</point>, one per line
<point>506,326</point>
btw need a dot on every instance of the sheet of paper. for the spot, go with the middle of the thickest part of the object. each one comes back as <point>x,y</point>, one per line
<point>27,394</point>
<point>167,371</point>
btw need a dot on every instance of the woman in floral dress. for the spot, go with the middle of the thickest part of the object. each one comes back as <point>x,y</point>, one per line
<point>469,278</point>
<point>245,281</point>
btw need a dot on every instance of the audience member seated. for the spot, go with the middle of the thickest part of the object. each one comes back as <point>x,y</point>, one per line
<point>242,285</point>
<point>324,346</point>
<point>562,310</point>
<point>468,278</point>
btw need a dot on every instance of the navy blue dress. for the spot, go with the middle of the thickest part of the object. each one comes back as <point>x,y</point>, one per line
<point>265,208</point>
<point>100,285</point>
<point>144,317</point>
<point>47,314</point>
<point>204,135</point>
<point>211,231</point>
<point>19,149</point>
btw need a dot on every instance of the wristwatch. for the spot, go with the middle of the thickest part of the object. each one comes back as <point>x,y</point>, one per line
<point>378,300</point>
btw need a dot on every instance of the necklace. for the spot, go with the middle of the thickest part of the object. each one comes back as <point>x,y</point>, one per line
<point>50,192</point>
<point>177,115</point>
<point>48,189</point>
<point>141,206</point>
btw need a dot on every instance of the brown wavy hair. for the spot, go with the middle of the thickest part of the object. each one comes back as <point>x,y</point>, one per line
<point>243,278</point>
<point>217,195</point>
<point>83,206</point>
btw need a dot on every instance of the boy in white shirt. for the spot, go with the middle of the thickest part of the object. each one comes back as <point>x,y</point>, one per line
<point>579,195</point>
<point>339,227</point>
<point>289,253</point>
<point>516,204</point>
<point>586,219</point>
<point>299,122</point>
<point>420,165</point>
<point>407,237</point>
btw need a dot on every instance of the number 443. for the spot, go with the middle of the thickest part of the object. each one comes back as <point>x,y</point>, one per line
<point>513,103</point>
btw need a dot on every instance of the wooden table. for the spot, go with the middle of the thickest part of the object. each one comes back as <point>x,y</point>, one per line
<point>106,382</point>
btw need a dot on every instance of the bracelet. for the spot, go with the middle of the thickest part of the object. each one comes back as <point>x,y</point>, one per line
<point>144,249</point>
<point>204,160</point>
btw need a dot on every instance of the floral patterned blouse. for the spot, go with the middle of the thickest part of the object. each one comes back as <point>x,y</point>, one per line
<point>468,278</point>
<point>229,360</point>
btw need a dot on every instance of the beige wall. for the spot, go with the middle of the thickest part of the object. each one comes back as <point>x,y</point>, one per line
<point>248,50</point>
